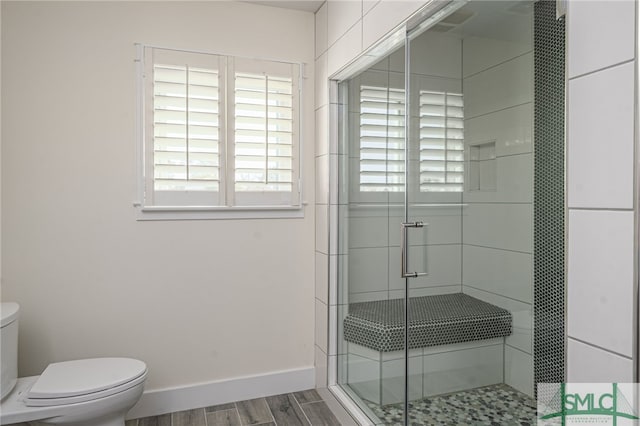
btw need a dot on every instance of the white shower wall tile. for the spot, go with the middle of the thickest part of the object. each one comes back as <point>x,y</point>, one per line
<point>481,53</point>
<point>322,228</point>
<point>501,272</point>
<point>368,232</point>
<point>600,33</point>
<point>431,350</point>
<point>370,296</point>
<point>396,61</point>
<point>504,86</point>
<point>600,279</point>
<point>322,126</point>
<point>448,51</point>
<point>322,78</point>
<point>368,270</point>
<point>594,365</point>
<point>511,129</point>
<point>321,367</point>
<point>416,291</point>
<point>514,182</point>
<point>393,380</point>
<point>601,139</point>
<point>399,355</point>
<point>462,369</point>
<point>332,366</point>
<point>434,370</point>
<point>321,23</point>
<point>346,48</point>
<point>487,175</point>
<point>441,262</point>
<point>522,327</point>
<point>322,179</point>
<point>518,370</point>
<point>442,226</point>
<point>367,5</point>
<point>322,277</point>
<point>364,352</point>
<point>322,324</point>
<point>364,376</point>
<point>501,226</point>
<point>368,210</point>
<point>341,16</point>
<point>385,16</point>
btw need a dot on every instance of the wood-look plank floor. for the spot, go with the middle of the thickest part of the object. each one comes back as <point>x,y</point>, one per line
<point>304,408</point>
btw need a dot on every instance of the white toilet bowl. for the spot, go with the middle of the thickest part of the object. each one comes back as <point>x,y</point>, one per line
<point>87,392</point>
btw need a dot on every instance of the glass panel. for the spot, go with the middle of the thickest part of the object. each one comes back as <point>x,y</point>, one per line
<point>372,144</point>
<point>451,155</point>
<point>471,75</point>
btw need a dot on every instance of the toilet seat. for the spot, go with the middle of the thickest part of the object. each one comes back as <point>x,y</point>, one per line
<point>84,380</point>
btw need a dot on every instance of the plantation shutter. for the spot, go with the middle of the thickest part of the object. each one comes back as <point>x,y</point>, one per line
<point>220,132</point>
<point>184,127</point>
<point>441,142</point>
<point>382,133</point>
<point>265,101</point>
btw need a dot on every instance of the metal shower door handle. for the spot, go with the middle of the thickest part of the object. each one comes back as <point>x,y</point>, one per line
<point>403,249</point>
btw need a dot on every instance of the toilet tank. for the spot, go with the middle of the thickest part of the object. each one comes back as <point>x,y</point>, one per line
<point>8,347</point>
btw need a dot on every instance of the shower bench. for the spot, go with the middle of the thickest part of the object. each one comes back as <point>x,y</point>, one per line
<point>455,342</point>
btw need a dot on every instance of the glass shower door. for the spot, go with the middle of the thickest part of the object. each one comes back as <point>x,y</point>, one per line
<point>431,229</point>
<point>468,220</point>
<point>436,221</point>
<point>372,153</point>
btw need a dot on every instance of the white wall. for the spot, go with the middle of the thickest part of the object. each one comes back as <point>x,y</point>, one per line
<point>601,194</point>
<point>199,301</point>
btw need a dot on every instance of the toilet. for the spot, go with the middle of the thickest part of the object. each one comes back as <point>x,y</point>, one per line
<point>88,392</point>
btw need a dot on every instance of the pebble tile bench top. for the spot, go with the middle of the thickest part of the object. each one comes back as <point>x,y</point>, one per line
<point>433,320</point>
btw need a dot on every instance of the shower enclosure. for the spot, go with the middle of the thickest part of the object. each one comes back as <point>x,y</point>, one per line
<point>450,224</point>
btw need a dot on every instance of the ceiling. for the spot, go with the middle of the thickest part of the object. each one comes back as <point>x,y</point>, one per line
<point>304,5</point>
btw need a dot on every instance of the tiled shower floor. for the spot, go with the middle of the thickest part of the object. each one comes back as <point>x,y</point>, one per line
<point>498,405</point>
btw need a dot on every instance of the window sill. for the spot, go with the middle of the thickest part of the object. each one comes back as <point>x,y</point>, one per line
<point>145,213</point>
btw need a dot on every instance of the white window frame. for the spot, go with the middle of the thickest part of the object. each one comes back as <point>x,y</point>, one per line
<point>144,203</point>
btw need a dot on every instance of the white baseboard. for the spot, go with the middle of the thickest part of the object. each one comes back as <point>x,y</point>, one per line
<point>162,401</point>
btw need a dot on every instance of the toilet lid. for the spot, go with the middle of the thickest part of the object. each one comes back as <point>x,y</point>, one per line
<point>68,381</point>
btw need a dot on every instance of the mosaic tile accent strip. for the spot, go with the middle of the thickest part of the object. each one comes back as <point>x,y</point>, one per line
<point>549,195</point>
<point>498,405</point>
<point>433,320</point>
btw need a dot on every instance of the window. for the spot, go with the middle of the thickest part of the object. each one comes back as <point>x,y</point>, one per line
<point>382,139</point>
<point>220,133</point>
<point>441,142</point>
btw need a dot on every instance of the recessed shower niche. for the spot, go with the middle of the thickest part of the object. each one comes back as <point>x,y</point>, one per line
<point>436,219</point>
